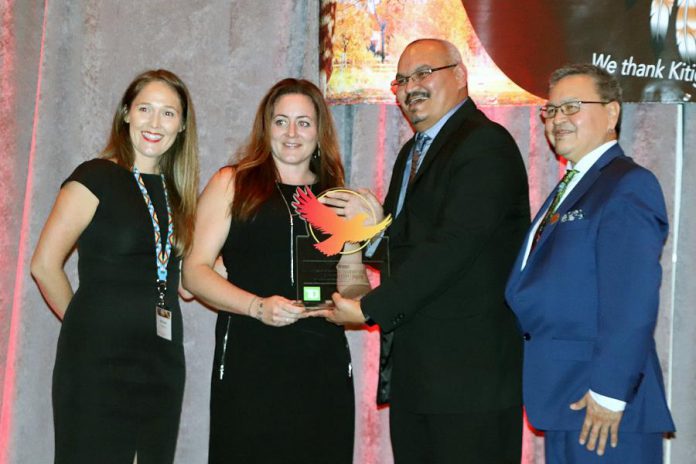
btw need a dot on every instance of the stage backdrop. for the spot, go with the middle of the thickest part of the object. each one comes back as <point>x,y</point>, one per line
<point>63,66</point>
<point>511,47</point>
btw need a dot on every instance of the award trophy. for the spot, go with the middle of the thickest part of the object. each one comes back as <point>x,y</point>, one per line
<point>324,265</point>
<point>318,276</point>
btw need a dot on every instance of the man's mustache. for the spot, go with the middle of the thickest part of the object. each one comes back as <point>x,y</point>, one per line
<point>416,94</point>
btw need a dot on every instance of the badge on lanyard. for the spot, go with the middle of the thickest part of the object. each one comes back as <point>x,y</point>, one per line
<point>163,317</point>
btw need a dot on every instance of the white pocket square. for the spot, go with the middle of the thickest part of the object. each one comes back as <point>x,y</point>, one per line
<point>574,215</point>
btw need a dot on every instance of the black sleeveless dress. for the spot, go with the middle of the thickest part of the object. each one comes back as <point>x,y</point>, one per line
<point>279,394</point>
<point>117,386</point>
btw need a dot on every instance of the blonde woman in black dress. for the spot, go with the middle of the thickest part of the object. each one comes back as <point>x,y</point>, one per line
<point>119,374</point>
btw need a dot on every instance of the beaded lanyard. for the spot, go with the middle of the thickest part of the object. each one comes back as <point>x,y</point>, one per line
<point>161,254</point>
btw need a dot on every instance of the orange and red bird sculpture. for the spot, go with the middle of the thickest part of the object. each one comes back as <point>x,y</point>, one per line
<point>324,219</point>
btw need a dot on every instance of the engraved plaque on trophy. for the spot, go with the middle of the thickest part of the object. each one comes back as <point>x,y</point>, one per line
<point>328,256</point>
<point>318,276</point>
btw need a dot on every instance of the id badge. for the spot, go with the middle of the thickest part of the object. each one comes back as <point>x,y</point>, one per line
<point>164,323</point>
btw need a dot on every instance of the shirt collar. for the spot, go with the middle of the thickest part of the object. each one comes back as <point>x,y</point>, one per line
<point>587,161</point>
<point>435,128</point>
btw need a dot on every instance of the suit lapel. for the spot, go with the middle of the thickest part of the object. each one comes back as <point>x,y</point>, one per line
<point>392,198</point>
<point>517,269</point>
<point>516,276</point>
<point>452,124</point>
<point>579,191</point>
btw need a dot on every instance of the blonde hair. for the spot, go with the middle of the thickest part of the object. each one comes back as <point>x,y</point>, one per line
<point>179,163</point>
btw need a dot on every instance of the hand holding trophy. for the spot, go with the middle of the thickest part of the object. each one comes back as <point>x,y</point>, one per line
<point>341,223</point>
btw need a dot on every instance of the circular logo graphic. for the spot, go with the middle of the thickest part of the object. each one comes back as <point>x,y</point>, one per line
<point>363,200</point>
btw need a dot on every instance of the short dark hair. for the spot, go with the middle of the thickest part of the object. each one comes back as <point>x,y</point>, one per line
<point>607,85</point>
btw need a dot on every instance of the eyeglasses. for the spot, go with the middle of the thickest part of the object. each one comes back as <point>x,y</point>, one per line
<point>418,76</point>
<point>548,111</point>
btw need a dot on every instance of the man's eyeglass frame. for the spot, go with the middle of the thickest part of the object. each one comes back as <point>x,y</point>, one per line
<point>418,75</point>
<point>568,108</point>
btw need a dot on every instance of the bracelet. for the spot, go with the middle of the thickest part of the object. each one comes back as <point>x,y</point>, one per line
<point>251,303</point>
<point>259,311</point>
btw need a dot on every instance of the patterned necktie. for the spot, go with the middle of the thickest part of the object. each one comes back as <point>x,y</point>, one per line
<point>421,140</point>
<point>560,190</point>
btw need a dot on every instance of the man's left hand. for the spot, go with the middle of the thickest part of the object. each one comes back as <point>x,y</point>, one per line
<point>350,205</point>
<point>599,424</point>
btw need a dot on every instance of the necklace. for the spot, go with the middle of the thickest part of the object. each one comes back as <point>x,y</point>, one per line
<point>292,233</point>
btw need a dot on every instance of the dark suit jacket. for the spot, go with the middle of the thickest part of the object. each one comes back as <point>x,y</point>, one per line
<point>587,300</point>
<point>456,347</point>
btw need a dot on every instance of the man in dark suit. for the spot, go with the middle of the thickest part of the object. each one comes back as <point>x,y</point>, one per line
<point>458,195</point>
<point>585,287</point>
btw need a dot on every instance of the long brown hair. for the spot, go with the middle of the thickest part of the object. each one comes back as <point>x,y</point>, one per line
<point>179,163</point>
<point>256,173</point>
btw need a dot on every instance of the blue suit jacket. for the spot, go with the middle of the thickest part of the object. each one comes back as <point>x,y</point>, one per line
<point>587,300</point>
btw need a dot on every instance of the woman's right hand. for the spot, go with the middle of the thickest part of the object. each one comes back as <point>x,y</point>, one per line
<point>276,311</point>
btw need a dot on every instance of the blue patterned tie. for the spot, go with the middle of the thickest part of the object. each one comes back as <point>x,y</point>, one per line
<point>421,140</point>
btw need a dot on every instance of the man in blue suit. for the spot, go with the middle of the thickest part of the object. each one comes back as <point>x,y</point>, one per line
<point>585,287</point>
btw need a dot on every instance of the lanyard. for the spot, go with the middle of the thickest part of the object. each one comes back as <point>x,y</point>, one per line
<point>161,255</point>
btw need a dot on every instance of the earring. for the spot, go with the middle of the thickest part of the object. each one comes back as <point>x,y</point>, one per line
<point>317,153</point>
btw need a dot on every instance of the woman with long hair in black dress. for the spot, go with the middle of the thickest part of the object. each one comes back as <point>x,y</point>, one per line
<point>119,374</point>
<point>281,389</point>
